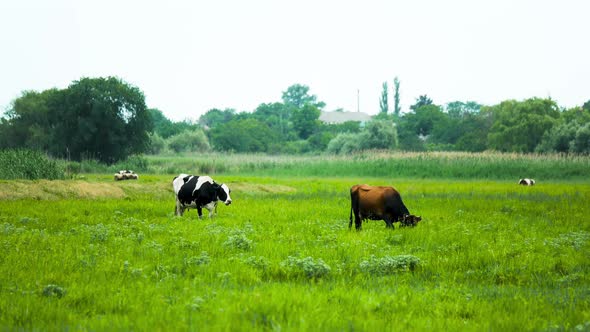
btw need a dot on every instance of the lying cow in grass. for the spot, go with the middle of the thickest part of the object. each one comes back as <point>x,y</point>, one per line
<point>193,191</point>
<point>126,175</point>
<point>527,182</point>
<point>379,203</point>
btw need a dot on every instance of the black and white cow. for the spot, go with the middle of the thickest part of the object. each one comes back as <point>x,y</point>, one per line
<point>193,191</point>
<point>527,182</point>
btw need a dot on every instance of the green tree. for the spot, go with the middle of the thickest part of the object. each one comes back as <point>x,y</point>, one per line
<point>215,117</point>
<point>161,124</point>
<point>157,144</point>
<point>560,138</point>
<point>416,127</point>
<point>578,114</point>
<point>458,109</point>
<point>379,134</point>
<point>297,95</point>
<point>31,120</point>
<point>473,131</point>
<point>276,116</point>
<point>320,139</point>
<point>396,98</point>
<point>306,120</point>
<point>581,143</point>
<point>424,119</point>
<point>520,126</point>
<point>242,135</point>
<point>103,118</point>
<point>383,101</point>
<point>459,122</point>
<point>165,127</point>
<point>423,100</point>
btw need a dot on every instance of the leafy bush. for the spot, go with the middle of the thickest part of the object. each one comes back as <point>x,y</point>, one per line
<point>576,240</point>
<point>345,143</point>
<point>581,143</point>
<point>99,233</point>
<point>389,264</point>
<point>248,135</point>
<point>157,143</point>
<point>259,262</point>
<point>307,266</point>
<point>189,140</point>
<point>559,138</point>
<point>378,134</point>
<point>54,290</point>
<point>29,164</point>
<point>203,259</point>
<point>238,241</point>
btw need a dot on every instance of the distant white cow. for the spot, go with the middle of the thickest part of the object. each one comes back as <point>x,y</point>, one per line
<point>527,182</point>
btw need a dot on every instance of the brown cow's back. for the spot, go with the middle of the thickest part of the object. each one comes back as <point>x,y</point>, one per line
<point>374,199</point>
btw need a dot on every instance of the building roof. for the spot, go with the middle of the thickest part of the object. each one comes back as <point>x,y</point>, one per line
<point>341,117</point>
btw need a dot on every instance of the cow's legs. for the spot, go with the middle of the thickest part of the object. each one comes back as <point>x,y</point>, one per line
<point>179,208</point>
<point>355,209</point>
<point>358,221</point>
<point>200,212</point>
<point>389,222</point>
<point>212,210</point>
<point>212,207</point>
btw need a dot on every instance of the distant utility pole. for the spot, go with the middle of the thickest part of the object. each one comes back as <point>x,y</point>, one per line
<point>358,100</point>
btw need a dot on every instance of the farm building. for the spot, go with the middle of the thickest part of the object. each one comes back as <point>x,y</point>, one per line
<point>341,117</point>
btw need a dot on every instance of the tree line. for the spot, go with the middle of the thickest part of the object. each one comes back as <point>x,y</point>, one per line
<point>107,119</point>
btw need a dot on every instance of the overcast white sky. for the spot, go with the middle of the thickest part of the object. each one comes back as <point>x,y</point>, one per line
<point>190,56</point>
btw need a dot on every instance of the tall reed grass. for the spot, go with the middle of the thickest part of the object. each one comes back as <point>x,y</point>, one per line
<point>442,165</point>
<point>29,164</point>
<point>26,164</point>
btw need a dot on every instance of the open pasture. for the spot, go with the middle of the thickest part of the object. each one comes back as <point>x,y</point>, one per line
<point>95,254</point>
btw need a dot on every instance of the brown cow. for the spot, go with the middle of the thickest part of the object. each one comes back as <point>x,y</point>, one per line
<point>379,203</point>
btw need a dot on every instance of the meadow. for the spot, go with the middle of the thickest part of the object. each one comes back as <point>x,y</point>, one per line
<point>93,254</point>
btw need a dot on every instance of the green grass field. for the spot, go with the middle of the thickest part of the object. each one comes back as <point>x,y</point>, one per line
<point>94,254</point>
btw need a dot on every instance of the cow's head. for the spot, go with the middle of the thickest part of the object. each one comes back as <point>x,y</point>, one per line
<point>223,192</point>
<point>410,220</point>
